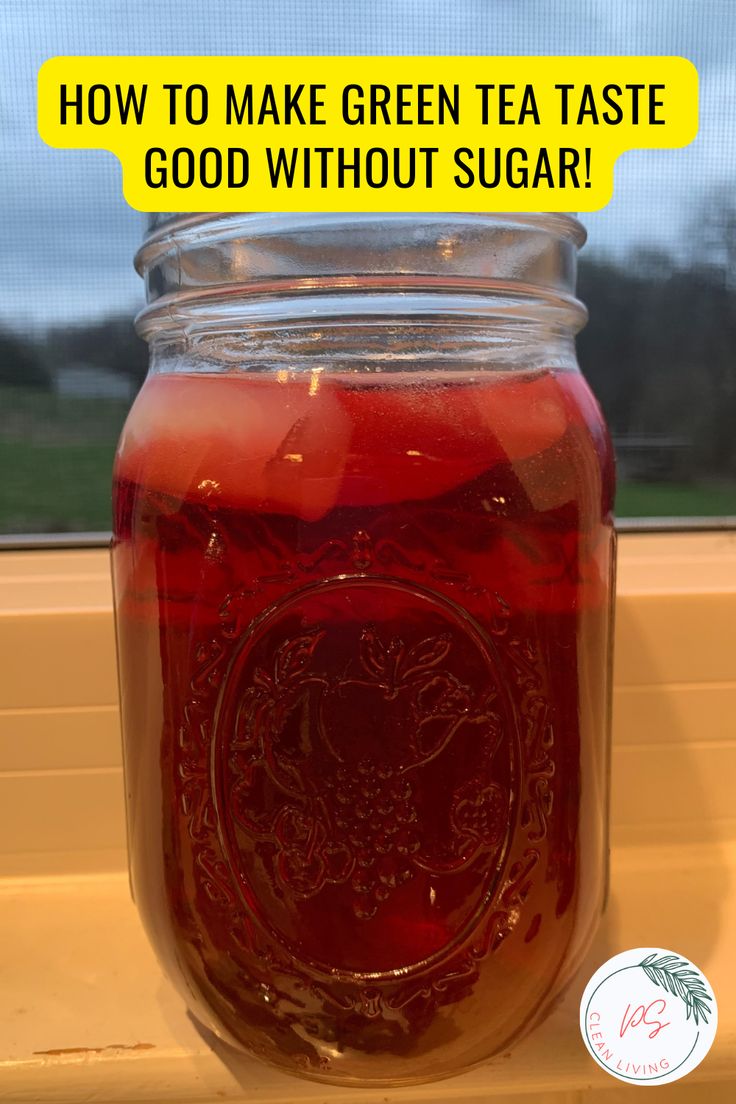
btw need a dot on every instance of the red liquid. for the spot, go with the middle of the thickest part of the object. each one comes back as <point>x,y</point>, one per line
<point>363,630</point>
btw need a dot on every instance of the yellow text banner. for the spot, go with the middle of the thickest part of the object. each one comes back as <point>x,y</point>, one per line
<point>367,133</point>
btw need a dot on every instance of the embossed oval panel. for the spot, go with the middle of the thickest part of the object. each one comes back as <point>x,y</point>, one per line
<point>364,764</point>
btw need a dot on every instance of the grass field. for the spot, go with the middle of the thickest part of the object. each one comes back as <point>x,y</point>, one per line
<point>676,499</point>
<point>56,456</point>
<point>54,488</point>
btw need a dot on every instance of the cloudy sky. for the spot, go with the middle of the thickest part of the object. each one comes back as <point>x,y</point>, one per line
<point>68,236</point>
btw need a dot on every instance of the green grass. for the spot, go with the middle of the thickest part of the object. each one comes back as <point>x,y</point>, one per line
<point>55,461</point>
<point>42,418</point>
<point>56,458</point>
<point>55,488</point>
<point>717,499</point>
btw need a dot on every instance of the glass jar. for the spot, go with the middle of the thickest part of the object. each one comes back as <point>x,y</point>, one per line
<point>363,564</point>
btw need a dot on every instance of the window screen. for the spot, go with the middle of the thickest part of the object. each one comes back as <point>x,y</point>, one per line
<point>657,273</point>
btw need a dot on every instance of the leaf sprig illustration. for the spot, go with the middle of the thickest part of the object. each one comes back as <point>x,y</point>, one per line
<point>672,973</point>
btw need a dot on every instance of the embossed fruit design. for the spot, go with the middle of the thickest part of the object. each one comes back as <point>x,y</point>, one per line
<point>380,820</point>
<point>359,777</point>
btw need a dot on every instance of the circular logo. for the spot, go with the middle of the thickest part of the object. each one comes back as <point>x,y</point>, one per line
<point>364,768</point>
<point>648,1016</point>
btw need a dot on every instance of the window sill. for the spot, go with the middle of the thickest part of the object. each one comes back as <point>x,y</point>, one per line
<point>88,1015</point>
<point>87,1012</point>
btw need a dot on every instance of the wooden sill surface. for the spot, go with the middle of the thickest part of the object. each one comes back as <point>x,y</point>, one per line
<point>87,1015</point>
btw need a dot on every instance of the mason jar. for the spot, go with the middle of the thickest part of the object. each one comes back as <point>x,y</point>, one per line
<point>363,563</point>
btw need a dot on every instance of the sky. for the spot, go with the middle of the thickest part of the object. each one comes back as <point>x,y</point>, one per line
<point>68,237</point>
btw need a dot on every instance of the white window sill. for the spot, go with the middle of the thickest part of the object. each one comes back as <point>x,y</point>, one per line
<point>86,1013</point>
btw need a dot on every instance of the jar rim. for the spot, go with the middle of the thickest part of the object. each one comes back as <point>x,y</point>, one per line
<point>268,263</point>
<point>163,225</point>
